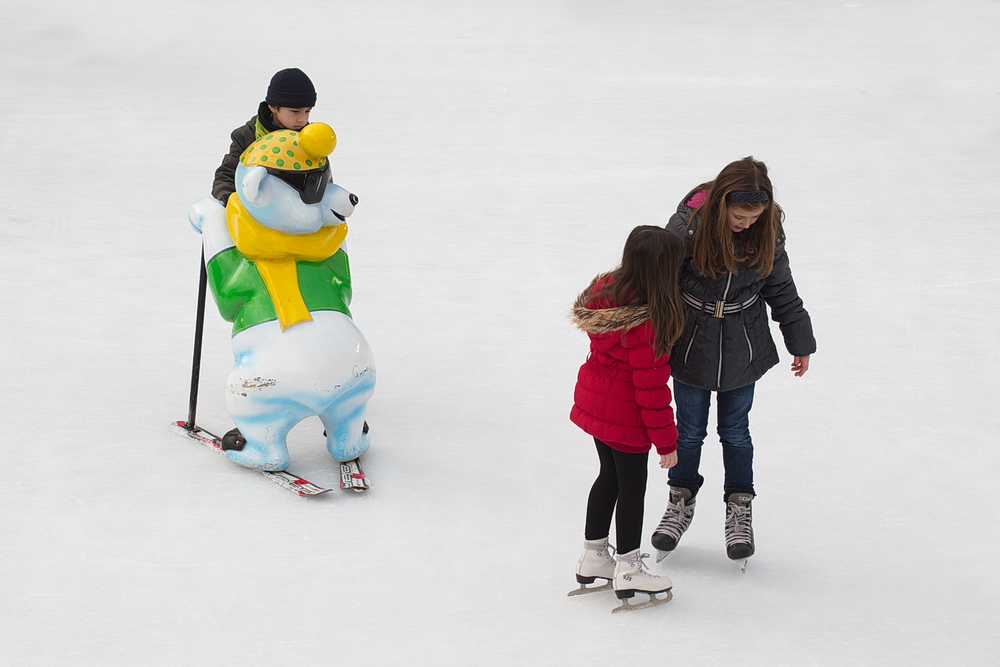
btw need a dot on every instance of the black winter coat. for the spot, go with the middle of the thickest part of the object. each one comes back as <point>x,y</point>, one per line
<point>720,354</point>
<point>225,176</point>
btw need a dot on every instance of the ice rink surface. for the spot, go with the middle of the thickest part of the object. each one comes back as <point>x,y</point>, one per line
<point>501,152</point>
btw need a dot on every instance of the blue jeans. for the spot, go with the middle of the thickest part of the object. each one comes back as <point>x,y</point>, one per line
<point>733,417</point>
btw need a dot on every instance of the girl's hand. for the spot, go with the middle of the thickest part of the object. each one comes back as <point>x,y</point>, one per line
<point>668,460</point>
<point>800,365</point>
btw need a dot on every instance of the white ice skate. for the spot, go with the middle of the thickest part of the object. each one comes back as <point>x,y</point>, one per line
<point>676,520</point>
<point>739,528</point>
<point>632,576</point>
<point>595,563</point>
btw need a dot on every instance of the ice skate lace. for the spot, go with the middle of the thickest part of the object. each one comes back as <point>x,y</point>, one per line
<point>738,530</point>
<point>676,519</point>
<point>642,563</point>
<point>639,561</point>
<point>606,551</point>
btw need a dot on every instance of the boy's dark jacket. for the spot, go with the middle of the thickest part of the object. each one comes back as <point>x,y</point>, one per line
<point>727,353</point>
<point>225,176</point>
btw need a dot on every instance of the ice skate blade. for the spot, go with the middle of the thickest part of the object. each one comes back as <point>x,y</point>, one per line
<point>584,590</point>
<point>660,555</point>
<point>652,602</point>
<point>743,564</point>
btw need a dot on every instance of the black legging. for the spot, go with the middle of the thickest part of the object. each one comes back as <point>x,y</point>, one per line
<point>622,480</point>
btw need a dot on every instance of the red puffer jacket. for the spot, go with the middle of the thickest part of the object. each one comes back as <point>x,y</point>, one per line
<point>621,395</point>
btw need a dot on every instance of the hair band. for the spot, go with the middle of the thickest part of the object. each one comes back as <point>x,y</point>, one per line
<point>752,197</point>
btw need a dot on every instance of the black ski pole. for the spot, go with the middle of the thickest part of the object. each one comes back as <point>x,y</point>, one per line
<point>199,327</point>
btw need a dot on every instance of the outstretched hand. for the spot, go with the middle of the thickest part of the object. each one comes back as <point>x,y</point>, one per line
<point>800,365</point>
<point>668,460</point>
<point>206,209</point>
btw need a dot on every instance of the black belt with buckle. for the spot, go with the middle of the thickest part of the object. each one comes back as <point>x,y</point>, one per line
<point>717,309</point>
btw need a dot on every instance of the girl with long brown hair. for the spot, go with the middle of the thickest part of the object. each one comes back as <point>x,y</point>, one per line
<point>632,315</point>
<point>736,263</point>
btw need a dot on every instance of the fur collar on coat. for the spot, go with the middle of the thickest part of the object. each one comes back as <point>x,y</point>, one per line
<point>605,320</point>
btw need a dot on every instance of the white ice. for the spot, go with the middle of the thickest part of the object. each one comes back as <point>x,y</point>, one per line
<point>501,151</point>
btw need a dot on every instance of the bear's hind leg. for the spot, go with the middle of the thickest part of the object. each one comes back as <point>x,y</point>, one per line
<point>344,421</point>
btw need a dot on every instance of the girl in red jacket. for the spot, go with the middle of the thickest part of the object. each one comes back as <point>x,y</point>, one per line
<point>633,315</point>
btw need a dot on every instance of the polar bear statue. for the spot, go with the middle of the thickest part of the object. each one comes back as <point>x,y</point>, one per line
<point>279,271</point>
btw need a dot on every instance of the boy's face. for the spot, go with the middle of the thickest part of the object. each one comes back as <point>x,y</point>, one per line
<point>288,118</point>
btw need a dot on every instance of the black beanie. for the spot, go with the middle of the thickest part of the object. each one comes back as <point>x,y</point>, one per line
<point>291,88</point>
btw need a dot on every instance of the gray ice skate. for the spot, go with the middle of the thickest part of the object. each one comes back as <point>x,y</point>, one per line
<point>739,528</point>
<point>676,520</point>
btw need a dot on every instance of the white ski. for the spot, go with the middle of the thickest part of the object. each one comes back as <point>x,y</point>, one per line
<point>352,476</point>
<point>282,478</point>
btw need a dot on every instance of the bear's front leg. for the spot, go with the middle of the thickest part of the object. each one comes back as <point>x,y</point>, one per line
<point>264,447</point>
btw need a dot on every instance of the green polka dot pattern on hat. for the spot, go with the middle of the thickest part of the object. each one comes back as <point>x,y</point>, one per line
<point>280,150</point>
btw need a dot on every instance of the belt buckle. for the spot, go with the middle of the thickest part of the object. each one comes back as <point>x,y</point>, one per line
<point>719,305</point>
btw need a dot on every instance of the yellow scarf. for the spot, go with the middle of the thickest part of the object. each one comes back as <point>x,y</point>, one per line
<point>276,253</point>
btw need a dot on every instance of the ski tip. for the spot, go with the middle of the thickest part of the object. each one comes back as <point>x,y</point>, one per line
<point>312,492</point>
<point>352,476</point>
<point>192,430</point>
<point>358,486</point>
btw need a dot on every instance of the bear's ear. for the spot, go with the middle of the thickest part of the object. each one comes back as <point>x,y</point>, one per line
<point>251,183</point>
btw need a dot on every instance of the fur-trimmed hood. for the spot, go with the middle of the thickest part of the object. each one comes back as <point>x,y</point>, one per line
<point>621,396</point>
<point>605,320</point>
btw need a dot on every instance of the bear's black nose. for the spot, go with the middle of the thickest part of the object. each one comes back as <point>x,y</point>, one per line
<point>354,199</point>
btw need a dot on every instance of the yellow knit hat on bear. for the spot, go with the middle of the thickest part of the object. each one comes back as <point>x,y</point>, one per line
<point>293,151</point>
